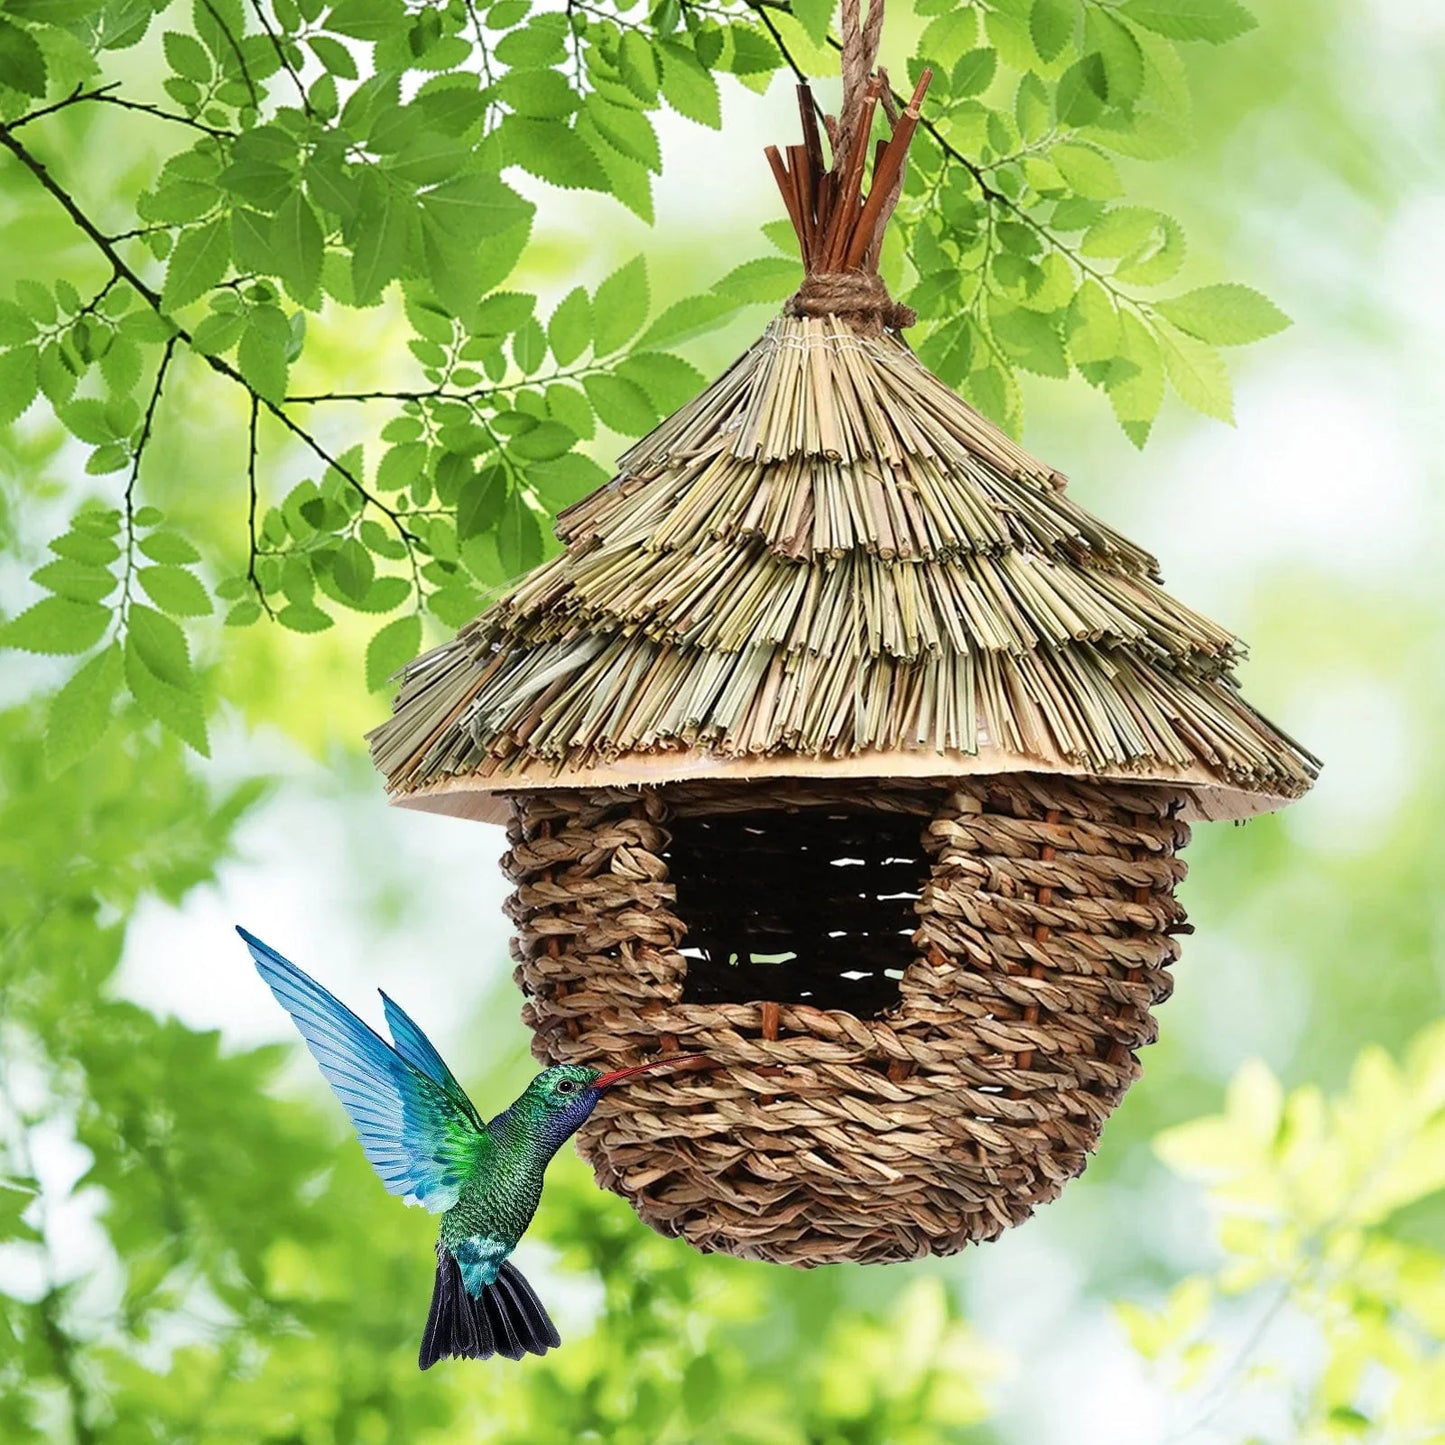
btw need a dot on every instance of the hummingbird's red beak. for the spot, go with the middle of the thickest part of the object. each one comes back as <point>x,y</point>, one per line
<point>686,1061</point>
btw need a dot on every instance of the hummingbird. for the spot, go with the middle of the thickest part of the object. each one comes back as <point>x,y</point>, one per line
<point>426,1141</point>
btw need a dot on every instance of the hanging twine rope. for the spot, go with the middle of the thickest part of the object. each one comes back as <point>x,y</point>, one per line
<point>840,231</point>
<point>858,296</point>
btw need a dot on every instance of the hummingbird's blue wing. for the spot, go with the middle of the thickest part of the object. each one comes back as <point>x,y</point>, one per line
<point>420,1053</point>
<point>419,1141</point>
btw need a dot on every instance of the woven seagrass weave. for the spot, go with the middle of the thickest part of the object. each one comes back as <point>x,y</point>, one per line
<point>1044,929</point>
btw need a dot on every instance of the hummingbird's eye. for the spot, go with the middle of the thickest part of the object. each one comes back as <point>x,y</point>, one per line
<point>566,1086</point>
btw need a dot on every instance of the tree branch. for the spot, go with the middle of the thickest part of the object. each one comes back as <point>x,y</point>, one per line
<point>146,108</point>
<point>140,446</point>
<point>235,50</point>
<point>106,246</point>
<point>104,95</point>
<point>282,57</point>
<point>254,497</point>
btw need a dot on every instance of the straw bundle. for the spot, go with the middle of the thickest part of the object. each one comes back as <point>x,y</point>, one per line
<point>828,555</point>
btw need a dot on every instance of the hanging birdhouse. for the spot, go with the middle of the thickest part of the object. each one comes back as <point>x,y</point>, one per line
<point>840,744</point>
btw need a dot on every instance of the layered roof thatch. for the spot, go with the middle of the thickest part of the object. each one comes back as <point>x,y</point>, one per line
<point>829,563</point>
<point>827,560</point>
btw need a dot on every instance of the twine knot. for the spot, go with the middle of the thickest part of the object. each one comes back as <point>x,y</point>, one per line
<point>860,297</point>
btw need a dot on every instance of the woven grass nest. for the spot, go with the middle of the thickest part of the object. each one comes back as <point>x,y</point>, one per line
<point>841,744</point>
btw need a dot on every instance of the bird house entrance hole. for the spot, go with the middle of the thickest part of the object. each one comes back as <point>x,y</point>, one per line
<point>817,906</point>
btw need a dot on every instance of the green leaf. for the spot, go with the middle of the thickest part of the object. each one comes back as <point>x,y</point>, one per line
<point>296,245</point>
<point>627,131</point>
<point>1029,338</point>
<point>637,63</point>
<point>243,614</point>
<point>198,263</point>
<point>569,332</point>
<point>1051,25</point>
<point>551,151</point>
<point>687,86</point>
<point>1119,49</point>
<point>541,93</point>
<point>381,244</point>
<point>519,538</point>
<point>455,604</point>
<point>814,16</point>
<point>373,20</point>
<point>82,547</point>
<point>261,356</point>
<point>480,503</point>
<point>15,326</point>
<point>1092,326</point>
<point>1079,98</point>
<point>564,480</point>
<point>161,645</point>
<point>974,72</point>
<point>499,314</point>
<point>529,347</point>
<point>1136,382</point>
<point>669,381</point>
<point>175,590</point>
<point>168,547</point>
<point>948,351</point>
<point>1087,171</point>
<point>391,649</point>
<point>539,42</point>
<point>176,708</point>
<point>19,382</point>
<point>569,405</point>
<point>352,568</point>
<point>79,581</point>
<point>56,625</point>
<point>475,207</point>
<point>337,59</point>
<point>187,56</point>
<point>1224,315</point>
<point>1197,372</point>
<point>1213,20</point>
<point>545,440</point>
<point>620,307</point>
<point>692,316</point>
<point>620,404</point>
<point>303,617</point>
<point>80,712</point>
<point>22,65</point>
<point>1031,108</point>
<point>1123,231</point>
<point>766,279</point>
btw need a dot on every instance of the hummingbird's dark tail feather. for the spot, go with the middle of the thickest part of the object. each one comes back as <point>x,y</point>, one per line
<point>507,1320</point>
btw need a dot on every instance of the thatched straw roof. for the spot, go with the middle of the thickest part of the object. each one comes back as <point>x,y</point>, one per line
<point>828,563</point>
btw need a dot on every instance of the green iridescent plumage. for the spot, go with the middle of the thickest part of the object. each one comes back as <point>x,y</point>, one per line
<point>427,1143</point>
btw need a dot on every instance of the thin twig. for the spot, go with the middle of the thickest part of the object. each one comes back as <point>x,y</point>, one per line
<point>235,50</point>
<point>282,56</point>
<point>217,364</point>
<point>254,493</point>
<point>144,107</point>
<point>130,486</point>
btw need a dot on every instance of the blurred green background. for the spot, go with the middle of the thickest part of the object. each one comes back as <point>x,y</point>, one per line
<point>191,1249</point>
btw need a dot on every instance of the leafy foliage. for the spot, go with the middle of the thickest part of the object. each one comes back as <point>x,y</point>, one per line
<point>325,159</point>
<point>1312,1199</point>
<point>220,1301</point>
